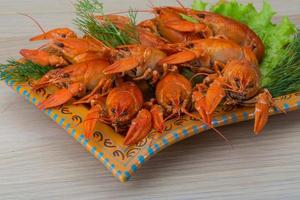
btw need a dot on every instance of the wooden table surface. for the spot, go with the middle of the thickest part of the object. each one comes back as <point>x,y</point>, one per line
<point>38,160</point>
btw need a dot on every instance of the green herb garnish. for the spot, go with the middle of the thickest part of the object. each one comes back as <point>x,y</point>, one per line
<point>105,31</point>
<point>131,28</point>
<point>22,72</point>
<point>285,76</point>
<point>190,75</point>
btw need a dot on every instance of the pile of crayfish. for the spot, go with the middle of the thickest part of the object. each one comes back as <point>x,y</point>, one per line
<point>138,87</point>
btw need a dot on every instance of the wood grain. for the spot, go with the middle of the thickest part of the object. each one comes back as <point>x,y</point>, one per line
<point>38,160</point>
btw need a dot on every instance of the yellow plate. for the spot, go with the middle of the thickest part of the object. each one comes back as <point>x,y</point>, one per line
<point>107,146</point>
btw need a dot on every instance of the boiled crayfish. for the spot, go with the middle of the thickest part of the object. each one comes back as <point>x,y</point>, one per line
<point>137,61</point>
<point>173,95</point>
<point>205,54</point>
<point>122,106</point>
<point>64,49</point>
<point>76,80</point>
<point>236,84</point>
<point>205,25</point>
<point>139,86</point>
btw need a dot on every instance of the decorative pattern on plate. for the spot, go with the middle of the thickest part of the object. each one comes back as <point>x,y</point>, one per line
<point>107,146</point>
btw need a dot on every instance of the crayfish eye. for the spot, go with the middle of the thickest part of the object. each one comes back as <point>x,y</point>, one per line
<point>63,35</point>
<point>181,101</point>
<point>113,110</point>
<point>66,75</point>
<point>124,113</point>
<point>254,46</point>
<point>126,49</point>
<point>201,16</point>
<point>59,44</point>
<point>251,85</point>
<point>237,81</point>
<point>190,45</point>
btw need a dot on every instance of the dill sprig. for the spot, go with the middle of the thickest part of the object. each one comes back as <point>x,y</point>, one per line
<point>284,78</point>
<point>104,31</point>
<point>132,16</point>
<point>131,28</point>
<point>22,71</point>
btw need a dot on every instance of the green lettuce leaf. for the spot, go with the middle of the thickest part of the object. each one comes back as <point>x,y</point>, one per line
<point>275,37</point>
<point>199,5</point>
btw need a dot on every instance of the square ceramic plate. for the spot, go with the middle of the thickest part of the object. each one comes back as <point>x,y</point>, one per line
<point>107,146</point>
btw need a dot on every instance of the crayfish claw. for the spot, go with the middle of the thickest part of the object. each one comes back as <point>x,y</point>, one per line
<point>178,58</point>
<point>214,96</point>
<point>157,118</point>
<point>139,128</point>
<point>262,111</point>
<point>61,96</point>
<point>185,26</point>
<point>90,121</point>
<point>200,106</point>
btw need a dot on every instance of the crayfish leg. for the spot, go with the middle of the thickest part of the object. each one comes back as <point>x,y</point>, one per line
<point>103,87</point>
<point>139,128</point>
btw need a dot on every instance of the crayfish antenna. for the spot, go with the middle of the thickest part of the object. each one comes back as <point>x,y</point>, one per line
<point>180,3</point>
<point>34,20</point>
<point>126,12</point>
<point>210,126</point>
<point>151,4</point>
<point>63,32</point>
<point>170,116</point>
<point>152,7</point>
